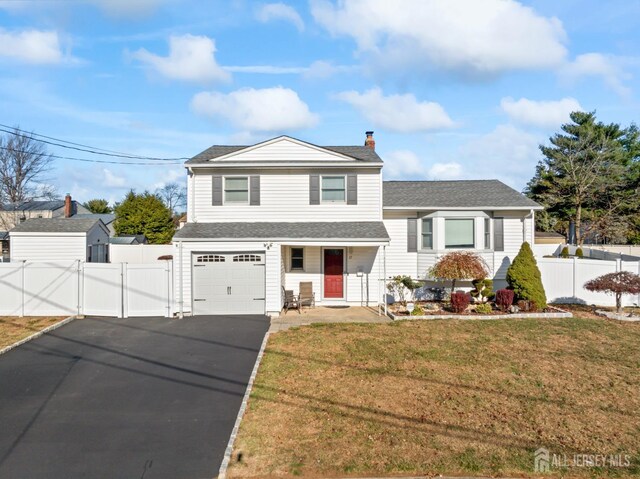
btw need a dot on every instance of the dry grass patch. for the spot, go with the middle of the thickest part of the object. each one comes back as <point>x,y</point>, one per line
<point>14,329</point>
<point>442,397</point>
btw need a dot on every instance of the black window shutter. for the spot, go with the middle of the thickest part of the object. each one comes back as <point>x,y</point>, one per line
<point>314,189</point>
<point>412,235</point>
<point>217,191</point>
<point>352,189</point>
<point>254,194</point>
<point>498,234</point>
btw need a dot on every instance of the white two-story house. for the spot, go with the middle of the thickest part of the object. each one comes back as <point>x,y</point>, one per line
<point>263,218</point>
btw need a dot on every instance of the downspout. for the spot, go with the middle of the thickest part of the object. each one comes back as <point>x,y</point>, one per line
<point>384,283</point>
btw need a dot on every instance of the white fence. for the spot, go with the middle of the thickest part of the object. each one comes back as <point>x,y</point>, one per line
<point>563,279</point>
<point>138,253</point>
<point>77,288</point>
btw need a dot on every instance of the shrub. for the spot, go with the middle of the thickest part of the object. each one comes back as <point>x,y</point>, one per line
<point>417,311</point>
<point>504,298</point>
<point>484,308</point>
<point>398,286</point>
<point>565,252</point>
<point>579,253</point>
<point>524,277</point>
<point>459,301</point>
<point>459,265</point>
<point>622,282</point>
<point>483,290</point>
<point>526,306</point>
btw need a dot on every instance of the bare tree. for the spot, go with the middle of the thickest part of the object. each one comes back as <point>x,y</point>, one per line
<point>174,196</point>
<point>24,161</point>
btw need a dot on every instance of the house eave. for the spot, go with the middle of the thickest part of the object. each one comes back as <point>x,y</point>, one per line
<point>284,165</point>
<point>296,241</point>
<point>465,208</point>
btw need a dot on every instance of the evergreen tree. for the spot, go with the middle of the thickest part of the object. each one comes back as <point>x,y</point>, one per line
<point>524,277</point>
<point>98,206</point>
<point>145,214</point>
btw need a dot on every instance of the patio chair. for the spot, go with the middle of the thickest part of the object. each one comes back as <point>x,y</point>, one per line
<point>307,297</point>
<point>290,301</point>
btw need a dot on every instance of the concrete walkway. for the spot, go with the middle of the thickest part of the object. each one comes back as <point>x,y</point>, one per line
<point>327,314</point>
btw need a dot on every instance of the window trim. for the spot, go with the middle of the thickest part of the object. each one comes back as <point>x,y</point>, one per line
<point>344,201</point>
<point>224,190</point>
<point>304,263</point>
<point>458,248</point>
<point>422,235</point>
<point>487,233</point>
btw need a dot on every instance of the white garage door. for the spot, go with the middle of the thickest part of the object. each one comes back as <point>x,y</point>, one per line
<point>228,283</point>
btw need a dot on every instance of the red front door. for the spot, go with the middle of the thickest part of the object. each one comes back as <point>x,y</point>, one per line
<point>333,273</point>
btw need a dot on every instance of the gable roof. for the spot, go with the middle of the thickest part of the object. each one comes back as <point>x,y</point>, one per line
<point>360,153</point>
<point>45,205</point>
<point>460,194</point>
<point>106,218</point>
<point>56,225</point>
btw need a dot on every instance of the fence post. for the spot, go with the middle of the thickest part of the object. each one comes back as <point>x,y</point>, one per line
<point>575,277</point>
<point>125,299</point>
<point>618,265</point>
<point>168,277</point>
<point>80,275</point>
<point>24,264</point>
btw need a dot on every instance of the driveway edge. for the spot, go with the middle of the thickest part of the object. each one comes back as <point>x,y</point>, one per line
<point>37,335</point>
<point>222,473</point>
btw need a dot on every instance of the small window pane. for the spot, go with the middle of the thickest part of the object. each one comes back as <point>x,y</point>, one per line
<point>297,258</point>
<point>236,183</point>
<point>487,233</point>
<point>458,233</point>
<point>236,196</point>
<point>427,233</point>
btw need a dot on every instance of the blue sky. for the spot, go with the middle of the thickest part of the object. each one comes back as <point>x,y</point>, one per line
<point>452,89</point>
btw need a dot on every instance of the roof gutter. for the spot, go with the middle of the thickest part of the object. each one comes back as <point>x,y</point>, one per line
<point>465,208</point>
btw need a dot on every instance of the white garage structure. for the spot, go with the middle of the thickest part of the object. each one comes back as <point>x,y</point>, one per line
<point>228,283</point>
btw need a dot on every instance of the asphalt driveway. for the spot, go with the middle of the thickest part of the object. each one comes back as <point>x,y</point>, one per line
<point>135,398</point>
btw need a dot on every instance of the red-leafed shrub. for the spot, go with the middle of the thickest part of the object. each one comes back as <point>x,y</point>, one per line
<point>504,298</point>
<point>459,301</point>
<point>622,282</point>
<point>459,265</point>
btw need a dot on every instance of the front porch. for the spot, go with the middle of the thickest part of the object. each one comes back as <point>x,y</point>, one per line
<point>327,314</point>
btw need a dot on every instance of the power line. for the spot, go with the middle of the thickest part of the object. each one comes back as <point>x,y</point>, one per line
<point>87,160</point>
<point>85,149</point>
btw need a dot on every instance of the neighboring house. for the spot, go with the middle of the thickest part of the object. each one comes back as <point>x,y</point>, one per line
<point>107,218</point>
<point>13,214</point>
<point>60,239</point>
<point>128,239</point>
<point>265,217</point>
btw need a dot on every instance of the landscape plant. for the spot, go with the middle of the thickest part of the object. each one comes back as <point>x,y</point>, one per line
<point>483,290</point>
<point>484,308</point>
<point>400,284</point>
<point>617,284</point>
<point>458,265</point>
<point>524,278</point>
<point>579,253</point>
<point>565,252</point>
<point>460,301</point>
<point>504,298</point>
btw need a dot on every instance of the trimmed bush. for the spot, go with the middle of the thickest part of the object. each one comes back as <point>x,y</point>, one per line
<point>483,290</point>
<point>565,252</point>
<point>579,253</point>
<point>484,308</point>
<point>504,298</point>
<point>417,311</point>
<point>460,301</point>
<point>524,278</point>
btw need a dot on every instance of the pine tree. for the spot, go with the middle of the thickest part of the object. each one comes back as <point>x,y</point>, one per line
<point>524,278</point>
<point>144,214</point>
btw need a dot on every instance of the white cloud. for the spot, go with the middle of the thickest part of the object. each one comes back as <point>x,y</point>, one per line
<point>267,109</point>
<point>31,46</point>
<point>540,113</point>
<point>279,11</point>
<point>403,164</point>
<point>465,36</point>
<point>445,171</point>
<point>597,65</point>
<point>111,180</point>
<point>191,58</point>
<point>402,113</point>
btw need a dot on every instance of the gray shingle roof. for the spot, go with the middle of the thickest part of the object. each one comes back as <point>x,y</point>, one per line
<point>453,194</point>
<point>361,153</point>
<point>55,225</point>
<point>46,205</point>
<point>106,218</point>
<point>123,240</point>
<point>372,230</point>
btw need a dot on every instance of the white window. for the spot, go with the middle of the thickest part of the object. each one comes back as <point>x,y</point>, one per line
<point>459,233</point>
<point>236,189</point>
<point>297,259</point>
<point>487,233</point>
<point>427,233</point>
<point>334,189</point>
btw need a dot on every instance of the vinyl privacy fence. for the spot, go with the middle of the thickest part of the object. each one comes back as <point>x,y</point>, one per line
<point>564,279</point>
<point>78,288</point>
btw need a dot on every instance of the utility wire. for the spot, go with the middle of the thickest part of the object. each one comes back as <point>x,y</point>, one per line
<point>91,160</point>
<point>86,149</point>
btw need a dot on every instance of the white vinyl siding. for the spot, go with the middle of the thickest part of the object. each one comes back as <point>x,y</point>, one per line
<point>284,196</point>
<point>399,261</point>
<point>48,247</point>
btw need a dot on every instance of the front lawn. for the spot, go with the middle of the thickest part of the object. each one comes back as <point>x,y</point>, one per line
<point>442,397</point>
<point>14,329</point>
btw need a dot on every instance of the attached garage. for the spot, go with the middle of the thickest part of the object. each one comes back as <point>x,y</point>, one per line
<point>228,283</point>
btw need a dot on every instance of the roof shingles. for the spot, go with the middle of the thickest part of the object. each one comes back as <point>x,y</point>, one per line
<point>55,225</point>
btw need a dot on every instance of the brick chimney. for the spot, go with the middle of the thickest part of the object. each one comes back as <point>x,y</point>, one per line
<point>67,206</point>
<point>369,141</point>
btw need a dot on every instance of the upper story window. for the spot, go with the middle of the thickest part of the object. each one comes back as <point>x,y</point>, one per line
<point>333,189</point>
<point>459,233</point>
<point>297,259</point>
<point>427,233</point>
<point>236,189</point>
